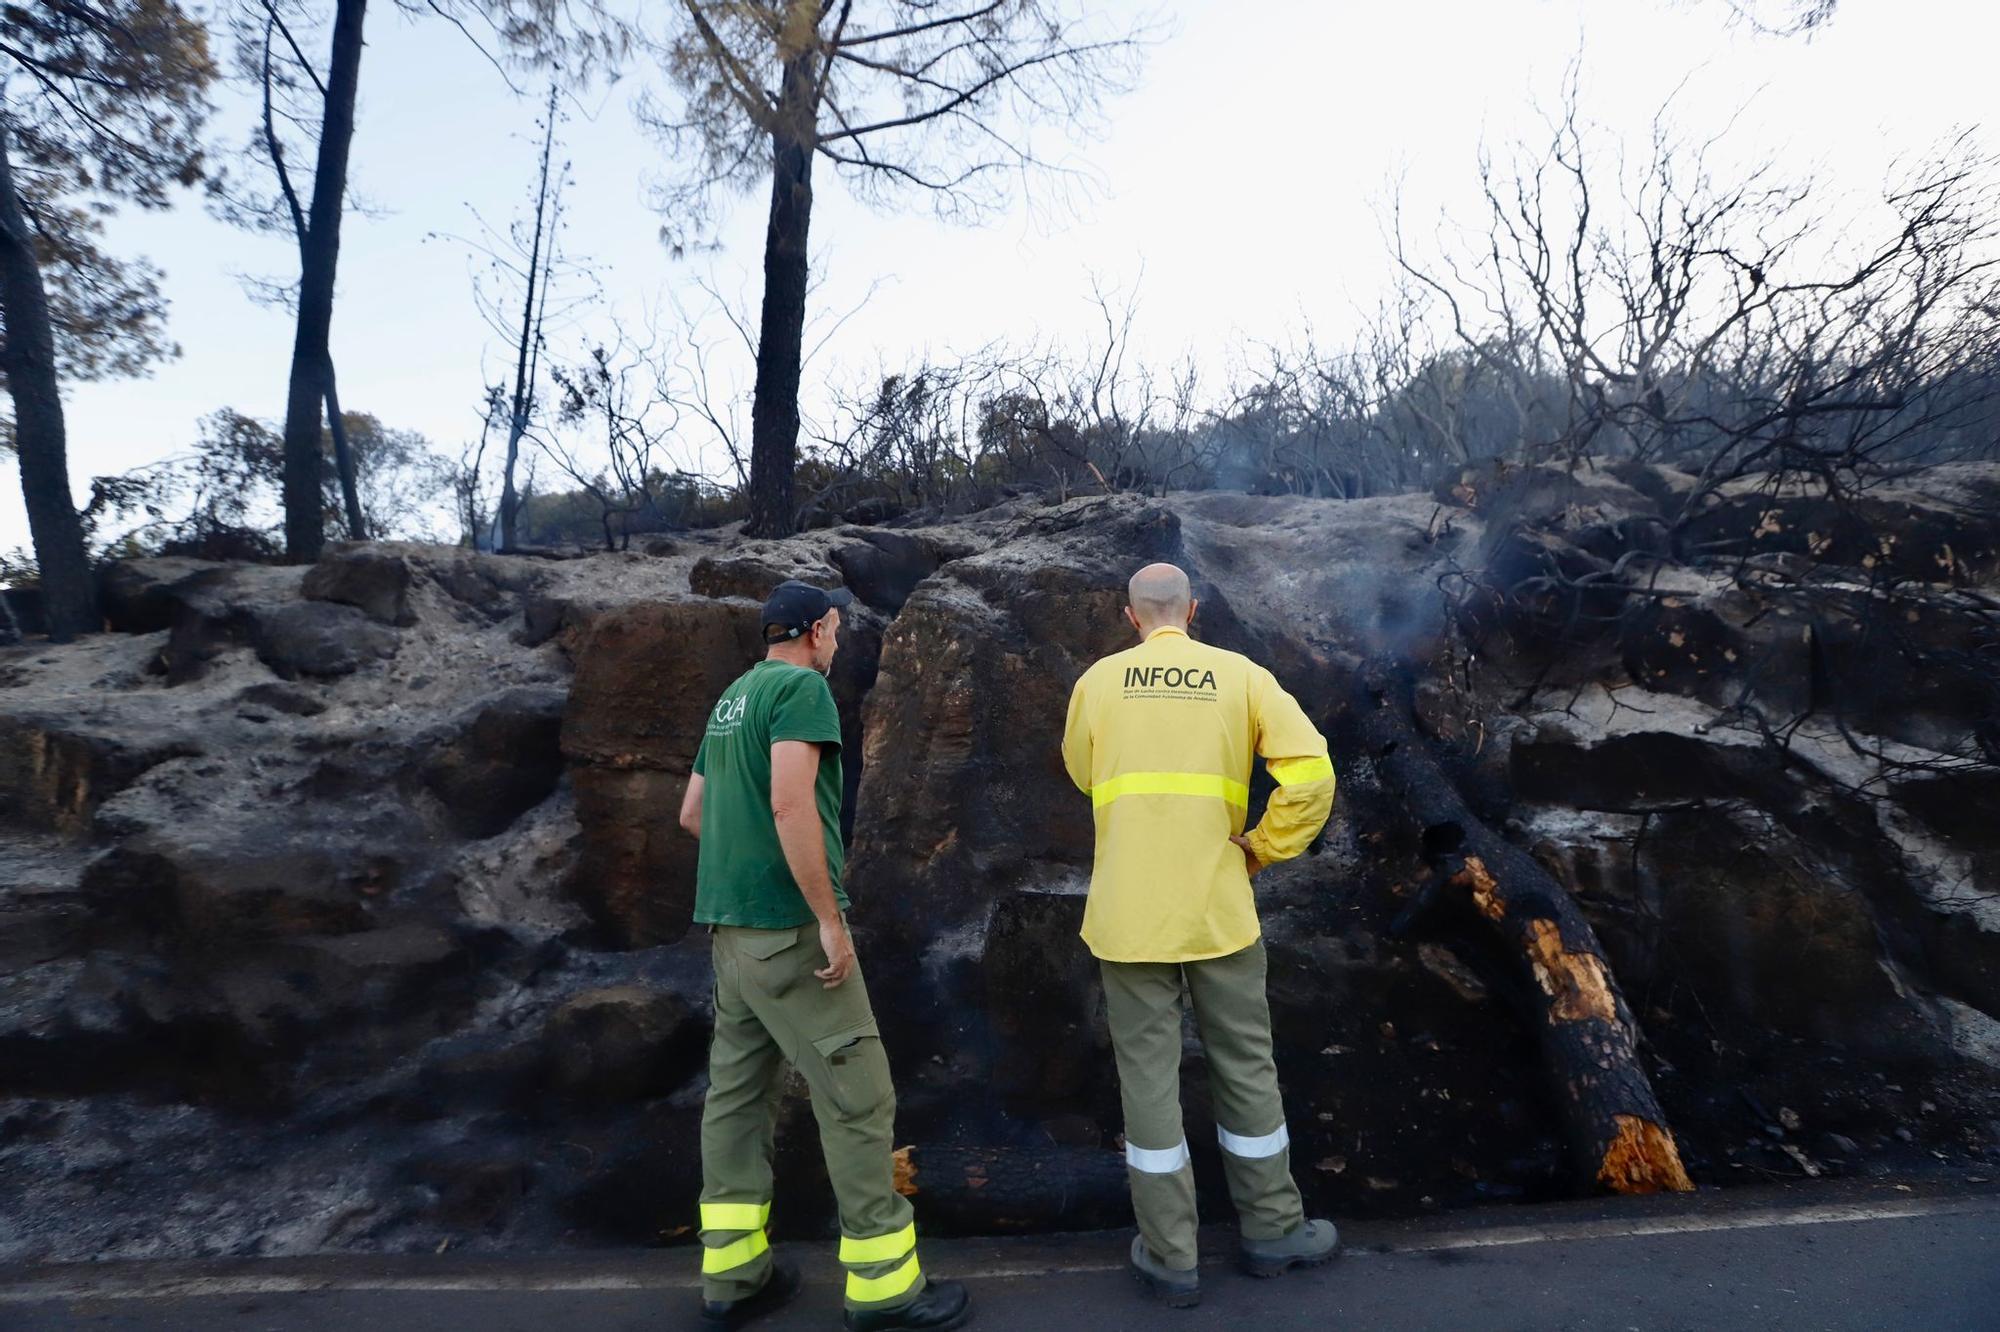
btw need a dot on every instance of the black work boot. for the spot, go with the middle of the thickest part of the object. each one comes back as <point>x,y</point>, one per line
<point>1172,1286</point>
<point>944,1304</point>
<point>776,1292</point>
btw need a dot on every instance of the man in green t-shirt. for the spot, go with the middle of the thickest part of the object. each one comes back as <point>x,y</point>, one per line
<point>765,802</point>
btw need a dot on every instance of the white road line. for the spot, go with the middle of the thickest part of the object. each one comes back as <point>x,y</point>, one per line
<point>152,1282</point>
<point>1757,1219</point>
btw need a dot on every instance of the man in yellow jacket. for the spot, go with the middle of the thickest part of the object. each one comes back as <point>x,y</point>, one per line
<point>1162,737</point>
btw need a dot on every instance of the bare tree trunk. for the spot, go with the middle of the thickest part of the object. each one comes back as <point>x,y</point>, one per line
<point>774,409</point>
<point>509,502</point>
<point>526,349</point>
<point>1616,1132</point>
<point>343,457</point>
<point>40,437</point>
<point>319,256</point>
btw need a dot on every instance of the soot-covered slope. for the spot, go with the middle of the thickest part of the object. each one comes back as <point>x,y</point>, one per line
<point>345,907</point>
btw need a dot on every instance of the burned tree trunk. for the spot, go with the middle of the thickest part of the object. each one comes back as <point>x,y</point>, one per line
<point>1612,1122</point>
<point>534,309</point>
<point>40,437</point>
<point>319,255</point>
<point>774,407</point>
<point>343,460</point>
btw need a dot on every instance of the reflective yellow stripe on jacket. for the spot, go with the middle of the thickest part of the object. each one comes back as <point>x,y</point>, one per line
<point>1163,736</point>
<point>1297,809</point>
<point>1171,783</point>
<point>1290,772</point>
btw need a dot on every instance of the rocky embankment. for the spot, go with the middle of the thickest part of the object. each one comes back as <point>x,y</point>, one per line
<point>344,906</point>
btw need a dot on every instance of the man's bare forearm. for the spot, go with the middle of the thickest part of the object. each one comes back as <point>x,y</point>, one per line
<point>803,840</point>
<point>691,806</point>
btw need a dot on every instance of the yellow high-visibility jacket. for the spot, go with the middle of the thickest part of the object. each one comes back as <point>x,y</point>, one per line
<point>1162,737</point>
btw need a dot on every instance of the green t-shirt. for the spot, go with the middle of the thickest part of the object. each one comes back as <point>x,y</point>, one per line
<point>742,878</point>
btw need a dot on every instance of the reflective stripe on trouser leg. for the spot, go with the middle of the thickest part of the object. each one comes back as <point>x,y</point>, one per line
<point>728,1255</point>
<point>1253,1149</point>
<point>1234,1018</point>
<point>734,1243</point>
<point>1142,1006</point>
<point>1164,1162</point>
<point>1259,1172</point>
<point>878,1248</point>
<point>745,1075</point>
<point>880,1268</point>
<point>1163,1204</point>
<point>735,1216</point>
<point>831,1037</point>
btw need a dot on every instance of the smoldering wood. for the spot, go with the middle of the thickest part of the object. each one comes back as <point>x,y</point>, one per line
<point>1612,1123</point>
<point>1016,1188</point>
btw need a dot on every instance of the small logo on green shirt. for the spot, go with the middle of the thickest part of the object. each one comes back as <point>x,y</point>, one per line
<point>728,715</point>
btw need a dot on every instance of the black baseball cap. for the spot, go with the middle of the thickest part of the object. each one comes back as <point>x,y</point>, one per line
<point>797,606</point>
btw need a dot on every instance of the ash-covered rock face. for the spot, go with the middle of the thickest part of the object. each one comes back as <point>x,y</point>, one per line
<point>347,907</point>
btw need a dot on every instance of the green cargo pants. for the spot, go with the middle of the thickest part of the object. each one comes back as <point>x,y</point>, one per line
<point>771,1010</point>
<point>1142,1002</point>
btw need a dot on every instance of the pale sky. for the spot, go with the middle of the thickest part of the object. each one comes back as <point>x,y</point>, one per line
<point>1245,178</point>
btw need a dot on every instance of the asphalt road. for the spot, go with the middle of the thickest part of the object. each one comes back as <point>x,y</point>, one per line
<point>1878,1256</point>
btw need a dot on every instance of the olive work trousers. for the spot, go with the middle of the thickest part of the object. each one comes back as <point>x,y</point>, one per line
<point>771,1010</point>
<point>1143,1002</point>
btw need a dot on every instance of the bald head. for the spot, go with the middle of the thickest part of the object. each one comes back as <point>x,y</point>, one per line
<point>1159,595</point>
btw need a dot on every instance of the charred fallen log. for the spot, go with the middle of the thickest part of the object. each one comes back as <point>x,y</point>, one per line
<point>1001,1189</point>
<point>1612,1122</point>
